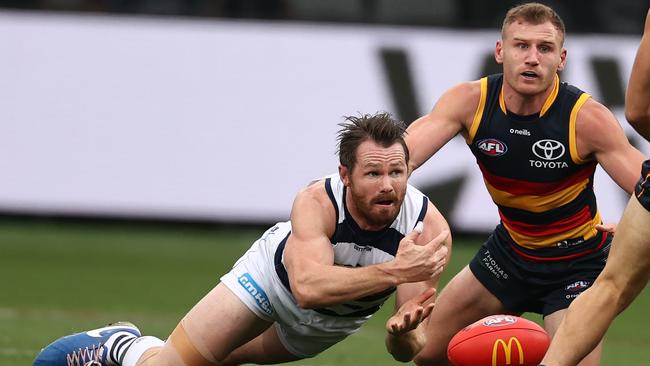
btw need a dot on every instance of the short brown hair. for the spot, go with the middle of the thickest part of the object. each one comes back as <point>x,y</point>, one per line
<point>534,13</point>
<point>380,128</point>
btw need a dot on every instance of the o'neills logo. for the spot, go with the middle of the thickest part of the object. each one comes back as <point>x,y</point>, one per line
<point>500,344</point>
<point>499,320</point>
<point>492,147</point>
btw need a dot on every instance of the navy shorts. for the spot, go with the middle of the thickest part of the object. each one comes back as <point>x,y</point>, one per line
<point>539,281</point>
<point>642,189</point>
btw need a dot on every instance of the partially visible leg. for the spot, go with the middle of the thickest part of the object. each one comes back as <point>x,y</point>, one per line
<point>463,301</point>
<point>625,275</point>
<point>552,323</point>
<point>218,325</point>
<point>264,350</point>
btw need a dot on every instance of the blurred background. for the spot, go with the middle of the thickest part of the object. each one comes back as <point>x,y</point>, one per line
<point>220,111</point>
<point>594,16</point>
<point>145,144</point>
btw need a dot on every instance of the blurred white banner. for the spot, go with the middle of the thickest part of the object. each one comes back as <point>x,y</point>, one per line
<point>212,120</point>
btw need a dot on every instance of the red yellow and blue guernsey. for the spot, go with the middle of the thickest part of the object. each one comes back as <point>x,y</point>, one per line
<point>531,168</point>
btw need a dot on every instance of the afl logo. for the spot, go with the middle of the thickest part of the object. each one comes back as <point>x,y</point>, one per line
<point>499,320</point>
<point>492,147</point>
<point>548,149</point>
<point>578,285</point>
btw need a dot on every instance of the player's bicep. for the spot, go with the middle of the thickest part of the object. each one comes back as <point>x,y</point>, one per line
<point>303,251</point>
<point>308,244</point>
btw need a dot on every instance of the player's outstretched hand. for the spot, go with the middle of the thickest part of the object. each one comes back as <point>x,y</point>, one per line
<point>412,313</point>
<point>414,263</point>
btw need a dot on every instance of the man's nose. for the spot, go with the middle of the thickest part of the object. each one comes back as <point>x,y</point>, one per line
<point>532,56</point>
<point>386,184</point>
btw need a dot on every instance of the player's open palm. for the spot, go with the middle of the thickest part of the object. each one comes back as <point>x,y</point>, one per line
<point>412,313</point>
<point>415,263</point>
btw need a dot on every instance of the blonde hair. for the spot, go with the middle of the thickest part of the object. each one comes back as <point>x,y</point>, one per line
<point>534,13</point>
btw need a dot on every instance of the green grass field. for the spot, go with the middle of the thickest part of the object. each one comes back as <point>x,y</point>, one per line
<point>59,278</point>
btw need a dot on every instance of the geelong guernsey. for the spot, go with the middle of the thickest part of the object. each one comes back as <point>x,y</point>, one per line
<point>531,168</point>
<point>355,247</point>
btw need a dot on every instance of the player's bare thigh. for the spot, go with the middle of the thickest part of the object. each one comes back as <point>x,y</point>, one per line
<point>216,326</point>
<point>463,301</point>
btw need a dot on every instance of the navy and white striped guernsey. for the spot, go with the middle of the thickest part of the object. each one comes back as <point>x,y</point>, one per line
<point>355,247</point>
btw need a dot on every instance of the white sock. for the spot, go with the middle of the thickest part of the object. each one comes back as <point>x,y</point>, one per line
<point>117,344</point>
<point>139,346</point>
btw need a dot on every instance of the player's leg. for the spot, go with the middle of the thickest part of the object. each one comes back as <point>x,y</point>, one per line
<point>626,273</point>
<point>463,301</point>
<point>264,350</point>
<point>551,325</point>
<point>231,324</point>
<point>219,330</point>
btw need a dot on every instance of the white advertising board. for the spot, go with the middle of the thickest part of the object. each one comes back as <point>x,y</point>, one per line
<point>226,121</point>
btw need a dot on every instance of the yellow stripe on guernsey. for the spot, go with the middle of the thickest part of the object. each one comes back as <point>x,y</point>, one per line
<point>547,104</point>
<point>573,146</point>
<point>479,112</point>
<point>585,231</point>
<point>534,203</point>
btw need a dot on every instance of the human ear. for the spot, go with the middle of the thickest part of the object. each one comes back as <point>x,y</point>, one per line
<point>498,52</point>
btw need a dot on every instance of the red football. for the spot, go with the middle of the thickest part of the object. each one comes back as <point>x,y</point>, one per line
<point>499,340</point>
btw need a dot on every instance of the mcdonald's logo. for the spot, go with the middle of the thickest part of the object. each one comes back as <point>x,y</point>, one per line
<point>507,349</point>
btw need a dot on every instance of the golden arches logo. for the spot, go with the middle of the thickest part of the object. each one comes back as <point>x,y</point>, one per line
<point>507,349</point>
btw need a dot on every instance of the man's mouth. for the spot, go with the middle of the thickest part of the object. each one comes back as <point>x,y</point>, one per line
<point>529,75</point>
<point>384,202</point>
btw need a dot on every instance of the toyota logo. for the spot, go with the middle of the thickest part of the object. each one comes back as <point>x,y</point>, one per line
<point>548,149</point>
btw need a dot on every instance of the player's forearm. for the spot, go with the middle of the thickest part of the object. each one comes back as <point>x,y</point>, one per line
<point>404,347</point>
<point>323,285</point>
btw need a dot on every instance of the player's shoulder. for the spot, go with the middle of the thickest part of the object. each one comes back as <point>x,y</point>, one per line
<point>596,128</point>
<point>463,100</point>
<point>595,114</point>
<point>314,189</point>
<point>460,101</point>
<point>314,207</point>
<point>415,203</point>
<point>467,89</point>
<point>413,192</point>
<point>318,190</point>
